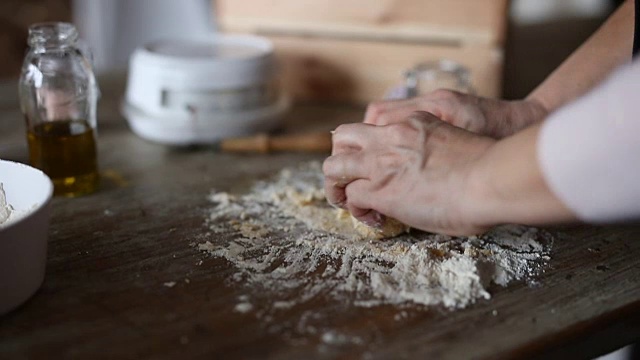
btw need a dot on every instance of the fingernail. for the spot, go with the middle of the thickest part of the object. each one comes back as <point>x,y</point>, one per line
<point>377,221</point>
<point>379,218</point>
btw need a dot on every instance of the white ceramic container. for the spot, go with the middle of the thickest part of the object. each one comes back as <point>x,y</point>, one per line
<point>23,242</point>
<point>183,92</point>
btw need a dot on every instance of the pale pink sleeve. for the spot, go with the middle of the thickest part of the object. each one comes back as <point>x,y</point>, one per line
<point>589,151</point>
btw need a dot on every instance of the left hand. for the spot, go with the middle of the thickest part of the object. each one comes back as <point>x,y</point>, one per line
<point>417,171</point>
<point>489,117</point>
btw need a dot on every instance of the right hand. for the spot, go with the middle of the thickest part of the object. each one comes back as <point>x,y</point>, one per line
<point>484,116</point>
<point>421,171</point>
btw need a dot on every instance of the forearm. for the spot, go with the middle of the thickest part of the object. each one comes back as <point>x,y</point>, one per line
<point>584,157</point>
<point>509,117</point>
<point>508,186</point>
<point>605,50</point>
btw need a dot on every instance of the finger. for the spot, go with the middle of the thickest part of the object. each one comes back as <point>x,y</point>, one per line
<point>389,112</point>
<point>342,148</point>
<point>436,127</point>
<point>335,194</point>
<point>378,108</point>
<point>446,94</point>
<point>425,116</point>
<point>358,195</point>
<point>349,137</point>
<point>339,171</point>
<point>368,217</point>
<point>346,167</point>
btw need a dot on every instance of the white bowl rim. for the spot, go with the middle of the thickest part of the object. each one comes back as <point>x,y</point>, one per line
<point>41,205</point>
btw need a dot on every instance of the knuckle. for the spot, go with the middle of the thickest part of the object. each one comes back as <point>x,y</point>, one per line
<point>375,108</point>
<point>445,94</point>
<point>423,117</point>
<point>401,132</point>
<point>342,128</point>
<point>420,115</point>
<point>382,119</point>
<point>341,134</point>
<point>395,132</point>
<point>387,161</point>
<point>329,166</point>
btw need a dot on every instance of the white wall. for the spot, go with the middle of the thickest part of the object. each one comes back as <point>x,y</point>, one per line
<point>536,11</point>
<point>114,28</point>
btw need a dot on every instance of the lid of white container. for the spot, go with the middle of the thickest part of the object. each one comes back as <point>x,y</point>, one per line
<point>221,62</point>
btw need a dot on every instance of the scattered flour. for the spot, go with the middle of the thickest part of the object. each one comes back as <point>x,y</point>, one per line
<point>294,251</point>
<point>243,307</point>
<point>335,338</point>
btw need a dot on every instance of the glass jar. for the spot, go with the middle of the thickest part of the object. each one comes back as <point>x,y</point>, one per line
<point>58,97</point>
<point>442,74</point>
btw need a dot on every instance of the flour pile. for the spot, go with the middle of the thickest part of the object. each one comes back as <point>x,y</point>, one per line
<point>283,239</point>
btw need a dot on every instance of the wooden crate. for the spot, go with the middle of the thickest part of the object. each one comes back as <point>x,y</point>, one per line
<point>355,50</point>
<point>360,71</point>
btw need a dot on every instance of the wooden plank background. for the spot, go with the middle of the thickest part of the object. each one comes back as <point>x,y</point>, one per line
<point>459,21</point>
<point>15,18</point>
<point>355,51</point>
<point>322,69</point>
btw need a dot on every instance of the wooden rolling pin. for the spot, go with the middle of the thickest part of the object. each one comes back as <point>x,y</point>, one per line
<point>263,143</point>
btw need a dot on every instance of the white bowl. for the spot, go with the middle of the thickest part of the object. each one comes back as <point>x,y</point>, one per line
<point>23,242</point>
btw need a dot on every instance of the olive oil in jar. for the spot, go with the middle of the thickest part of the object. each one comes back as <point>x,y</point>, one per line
<point>58,98</point>
<point>66,152</point>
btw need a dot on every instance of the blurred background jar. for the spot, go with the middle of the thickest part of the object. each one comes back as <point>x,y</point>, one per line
<point>426,77</point>
<point>443,74</point>
<point>58,97</point>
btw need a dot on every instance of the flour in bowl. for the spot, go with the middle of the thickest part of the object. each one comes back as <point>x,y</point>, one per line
<point>5,208</point>
<point>7,213</point>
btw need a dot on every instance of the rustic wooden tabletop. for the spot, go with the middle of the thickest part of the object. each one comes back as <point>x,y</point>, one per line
<point>111,252</point>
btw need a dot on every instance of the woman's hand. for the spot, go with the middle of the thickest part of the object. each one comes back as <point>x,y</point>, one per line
<point>489,117</point>
<point>417,171</point>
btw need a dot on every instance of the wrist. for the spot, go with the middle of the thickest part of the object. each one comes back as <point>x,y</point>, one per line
<point>533,110</point>
<point>509,117</point>
<point>478,194</point>
<point>506,185</point>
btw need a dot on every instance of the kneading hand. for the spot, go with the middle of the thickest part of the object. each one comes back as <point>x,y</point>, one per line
<point>490,117</point>
<point>416,171</point>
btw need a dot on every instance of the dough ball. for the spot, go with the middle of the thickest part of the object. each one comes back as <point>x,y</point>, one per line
<point>391,227</point>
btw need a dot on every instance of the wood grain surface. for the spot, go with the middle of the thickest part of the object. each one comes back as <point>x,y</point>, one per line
<point>110,254</point>
<point>461,21</point>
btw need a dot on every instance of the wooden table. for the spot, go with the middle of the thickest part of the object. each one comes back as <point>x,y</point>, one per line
<point>110,254</point>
